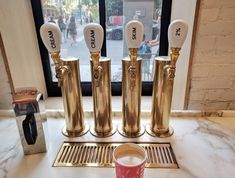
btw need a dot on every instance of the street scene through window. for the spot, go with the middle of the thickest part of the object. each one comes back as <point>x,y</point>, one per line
<point>72,16</point>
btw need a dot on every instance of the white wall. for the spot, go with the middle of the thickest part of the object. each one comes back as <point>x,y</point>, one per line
<point>19,38</point>
<point>5,91</point>
<point>182,9</point>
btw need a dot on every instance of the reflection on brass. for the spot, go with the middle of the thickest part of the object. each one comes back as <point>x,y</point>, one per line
<point>174,55</point>
<point>72,99</point>
<point>96,69</point>
<point>71,134</point>
<point>160,103</point>
<point>79,154</point>
<point>162,95</point>
<point>131,98</point>
<point>68,75</point>
<point>58,65</point>
<point>159,133</point>
<point>101,90</point>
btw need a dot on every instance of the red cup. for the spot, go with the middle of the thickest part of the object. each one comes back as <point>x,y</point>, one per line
<point>129,161</point>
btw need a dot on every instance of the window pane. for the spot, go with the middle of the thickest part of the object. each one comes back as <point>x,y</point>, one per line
<point>72,16</point>
<point>118,13</point>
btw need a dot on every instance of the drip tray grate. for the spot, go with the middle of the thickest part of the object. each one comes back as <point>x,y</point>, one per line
<point>80,154</point>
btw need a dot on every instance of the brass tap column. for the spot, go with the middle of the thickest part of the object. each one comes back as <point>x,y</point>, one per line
<point>161,102</point>
<point>101,82</point>
<point>103,126</point>
<point>131,98</point>
<point>131,82</point>
<point>68,74</point>
<point>164,82</point>
<point>72,99</point>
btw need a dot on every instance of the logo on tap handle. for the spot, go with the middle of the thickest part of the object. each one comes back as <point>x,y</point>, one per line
<point>94,36</point>
<point>177,32</point>
<point>52,39</point>
<point>92,33</point>
<point>133,33</point>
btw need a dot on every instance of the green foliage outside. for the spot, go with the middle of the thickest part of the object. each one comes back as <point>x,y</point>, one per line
<point>69,6</point>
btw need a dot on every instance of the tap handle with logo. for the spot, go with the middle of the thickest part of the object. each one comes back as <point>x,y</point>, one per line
<point>94,36</point>
<point>134,32</point>
<point>51,37</point>
<point>177,33</point>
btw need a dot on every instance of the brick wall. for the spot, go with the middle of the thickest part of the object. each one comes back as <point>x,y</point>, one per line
<point>213,71</point>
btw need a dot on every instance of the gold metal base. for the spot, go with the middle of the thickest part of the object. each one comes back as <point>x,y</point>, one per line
<point>75,134</point>
<point>101,135</point>
<point>123,133</point>
<point>160,133</point>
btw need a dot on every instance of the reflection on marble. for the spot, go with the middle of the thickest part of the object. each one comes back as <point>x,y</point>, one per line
<point>204,148</point>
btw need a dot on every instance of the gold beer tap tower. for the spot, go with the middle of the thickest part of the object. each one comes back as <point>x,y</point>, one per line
<point>101,82</point>
<point>68,74</point>
<point>131,82</point>
<point>164,81</point>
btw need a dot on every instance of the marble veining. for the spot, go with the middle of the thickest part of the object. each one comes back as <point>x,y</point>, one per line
<point>10,147</point>
<point>204,148</point>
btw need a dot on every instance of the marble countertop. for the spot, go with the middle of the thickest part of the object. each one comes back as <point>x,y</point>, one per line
<point>204,147</point>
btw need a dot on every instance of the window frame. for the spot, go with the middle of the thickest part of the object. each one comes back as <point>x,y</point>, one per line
<point>116,87</point>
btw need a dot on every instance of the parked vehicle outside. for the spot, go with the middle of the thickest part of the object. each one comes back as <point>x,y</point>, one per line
<point>116,32</point>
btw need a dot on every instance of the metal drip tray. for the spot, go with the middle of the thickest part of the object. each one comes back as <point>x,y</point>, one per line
<point>80,154</point>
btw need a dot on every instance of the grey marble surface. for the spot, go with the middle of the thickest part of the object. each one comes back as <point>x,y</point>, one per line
<point>204,147</point>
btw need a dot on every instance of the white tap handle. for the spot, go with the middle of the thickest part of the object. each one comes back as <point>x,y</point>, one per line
<point>177,33</point>
<point>134,32</point>
<point>94,36</point>
<point>51,37</point>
